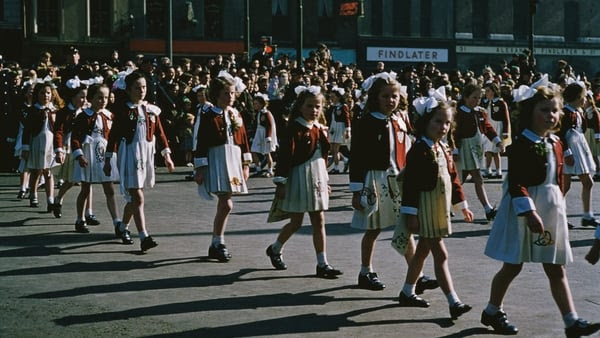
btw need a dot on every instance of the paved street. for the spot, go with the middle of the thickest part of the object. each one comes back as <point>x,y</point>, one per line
<point>58,283</point>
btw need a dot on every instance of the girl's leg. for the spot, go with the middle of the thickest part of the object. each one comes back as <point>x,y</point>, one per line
<point>89,213</point>
<point>367,278</point>
<point>586,197</point>
<point>490,212</point>
<point>34,178</point>
<point>408,296</point>
<point>62,191</point>
<point>217,249</point>
<point>567,183</point>
<point>137,211</point>
<point>111,203</point>
<point>335,147</point>
<point>559,286</point>
<point>49,187</point>
<point>494,315</point>
<point>324,270</point>
<point>269,164</point>
<point>83,194</point>
<point>488,163</point>
<point>498,164</point>
<point>274,250</point>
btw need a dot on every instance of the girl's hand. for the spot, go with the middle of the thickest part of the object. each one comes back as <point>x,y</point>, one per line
<point>347,134</point>
<point>107,169</point>
<point>500,146</point>
<point>569,160</point>
<point>412,223</point>
<point>280,192</point>
<point>328,189</point>
<point>467,215</point>
<point>246,171</point>
<point>25,154</point>
<point>82,161</point>
<point>198,177</point>
<point>59,157</point>
<point>534,222</point>
<point>356,202</point>
<point>169,163</point>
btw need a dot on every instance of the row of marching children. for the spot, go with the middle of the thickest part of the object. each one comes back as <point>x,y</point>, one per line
<point>411,184</point>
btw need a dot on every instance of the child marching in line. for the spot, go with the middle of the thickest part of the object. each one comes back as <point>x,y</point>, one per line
<point>378,153</point>
<point>471,123</point>
<point>37,148</point>
<point>499,118</point>
<point>531,224</point>
<point>338,116</point>
<point>265,138</point>
<point>221,157</point>
<point>302,180</point>
<point>431,187</point>
<point>133,135</point>
<point>578,157</point>
<point>88,142</point>
<point>23,170</point>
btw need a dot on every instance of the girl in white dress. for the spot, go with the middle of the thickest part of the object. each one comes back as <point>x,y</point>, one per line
<point>302,180</point>
<point>24,176</point>
<point>88,143</point>
<point>338,116</point>
<point>265,137</point>
<point>578,157</point>
<point>531,223</point>
<point>133,136</point>
<point>498,115</point>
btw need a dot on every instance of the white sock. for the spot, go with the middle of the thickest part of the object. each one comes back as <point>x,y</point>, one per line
<point>116,222</point>
<point>492,309</point>
<point>51,200</point>
<point>88,212</point>
<point>123,226</point>
<point>365,269</point>
<point>588,215</point>
<point>409,289</point>
<point>488,208</point>
<point>276,247</point>
<point>452,298</point>
<point>78,220</point>
<point>216,240</point>
<point>322,259</point>
<point>570,319</point>
<point>143,235</point>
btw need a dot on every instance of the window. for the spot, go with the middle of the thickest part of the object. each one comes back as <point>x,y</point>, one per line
<point>156,15</point>
<point>326,20</point>
<point>47,17</point>
<point>213,19</point>
<point>480,19</point>
<point>281,21</point>
<point>99,18</point>
<point>426,18</point>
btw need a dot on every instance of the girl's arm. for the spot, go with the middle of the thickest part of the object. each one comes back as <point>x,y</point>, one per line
<point>79,132</point>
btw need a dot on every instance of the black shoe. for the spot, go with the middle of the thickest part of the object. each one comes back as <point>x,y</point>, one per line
<point>425,283</point>
<point>491,214</point>
<point>81,227</point>
<point>276,260</point>
<point>147,244</point>
<point>92,220</point>
<point>498,176</point>
<point>458,309</point>
<point>219,252</point>
<point>370,281</point>
<point>412,301</point>
<point>582,328</point>
<point>570,225</point>
<point>589,222</point>
<point>126,237</point>
<point>34,203</point>
<point>21,194</point>
<point>499,322</point>
<point>327,272</point>
<point>49,208</point>
<point>57,210</point>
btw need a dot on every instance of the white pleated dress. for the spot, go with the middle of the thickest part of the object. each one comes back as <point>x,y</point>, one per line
<point>41,148</point>
<point>337,130</point>
<point>263,143</point>
<point>489,146</point>
<point>94,149</point>
<point>582,155</point>
<point>510,239</point>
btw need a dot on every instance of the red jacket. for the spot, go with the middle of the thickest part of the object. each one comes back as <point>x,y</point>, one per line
<point>499,112</point>
<point>34,122</point>
<point>84,125</point>
<point>65,119</point>
<point>467,122</point>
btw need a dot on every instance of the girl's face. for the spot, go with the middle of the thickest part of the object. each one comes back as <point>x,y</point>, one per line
<point>489,94</point>
<point>311,108</point>
<point>111,97</point>
<point>546,115</point>
<point>201,97</point>
<point>579,101</point>
<point>472,100</point>
<point>226,97</point>
<point>388,99</point>
<point>257,105</point>
<point>137,92</point>
<point>45,96</point>
<point>100,99</point>
<point>439,125</point>
<point>334,98</point>
<point>79,99</point>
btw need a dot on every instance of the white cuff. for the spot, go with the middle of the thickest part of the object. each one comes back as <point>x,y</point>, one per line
<point>25,147</point>
<point>348,129</point>
<point>279,180</point>
<point>496,140</point>
<point>522,204</point>
<point>247,157</point>
<point>165,151</point>
<point>462,205</point>
<point>108,154</point>
<point>597,136</point>
<point>356,186</point>
<point>269,139</point>
<point>505,134</point>
<point>78,153</point>
<point>567,153</point>
<point>200,162</point>
<point>409,210</point>
<point>59,150</point>
<point>11,140</point>
<point>455,151</point>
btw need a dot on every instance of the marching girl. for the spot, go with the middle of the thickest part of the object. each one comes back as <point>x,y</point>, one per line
<point>497,110</point>
<point>592,116</point>
<point>88,142</point>
<point>24,172</point>
<point>338,116</point>
<point>471,123</point>
<point>265,137</point>
<point>578,157</point>
<point>221,157</point>
<point>431,187</point>
<point>135,130</point>
<point>531,224</point>
<point>302,180</point>
<point>378,153</point>
<point>65,118</point>
<point>37,148</point>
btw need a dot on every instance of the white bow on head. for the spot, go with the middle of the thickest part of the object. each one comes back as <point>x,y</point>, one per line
<point>339,90</point>
<point>578,81</point>
<point>425,104</point>
<point>543,81</point>
<point>439,93</point>
<point>237,82</point>
<point>120,81</point>
<point>357,93</point>
<point>315,90</point>
<point>198,87</point>
<point>48,78</point>
<point>403,91</point>
<point>523,93</point>
<point>264,96</point>
<point>383,75</point>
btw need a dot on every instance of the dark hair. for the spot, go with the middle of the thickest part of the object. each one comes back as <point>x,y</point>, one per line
<point>372,104</point>
<point>302,97</point>
<point>261,100</point>
<point>38,88</point>
<point>526,107</point>
<point>340,97</point>
<point>132,78</point>
<point>423,120</point>
<point>216,85</point>
<point>94,89</point>
<point>468,90</point>
<point>572,92</point>
<point>493,87</point>
<point>70,93</point>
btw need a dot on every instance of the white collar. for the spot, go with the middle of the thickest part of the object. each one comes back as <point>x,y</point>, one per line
<point>495,99</point>
<point>427,141</point>
<point>465,108</point>
<point>131,105</point>
<point>378,115</point>
<point>88,111</point>
<point>307,124</point>
<point>216,110</point>
<point>48,106</point>
<point>531,136</point>
<point>571,108</point>
<point>72,107</point>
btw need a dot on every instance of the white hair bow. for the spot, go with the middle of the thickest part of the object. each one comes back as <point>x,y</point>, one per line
<point>339,90</point>
<point>357,93</point>
<point>523,93</point>
<point>543,81</point>
<point>425,104</point>
<point>264,96</point>
<point>383,75</point>
<point>120,81</point>
<point>198,87</point>
<point>44,80</point>
<point>403,91</point>
<point>237,82</point>
<point>578,81</point>
<point>315,90</point>
<point>439,93</point>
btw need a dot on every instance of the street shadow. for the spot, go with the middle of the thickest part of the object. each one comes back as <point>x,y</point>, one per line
<point>582,243</point>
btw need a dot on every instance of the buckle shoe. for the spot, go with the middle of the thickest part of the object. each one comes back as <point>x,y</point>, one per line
<point>126,237</point>
<point>34,203</point>
<point>81,227</point>
<point>276,260</point>
<point>499,322</point>
<point>219,253</point>
<point>581,328</point>
<point>147,244</point>
<point>327,272</point>
<point>458,309</point>
<point>589,222</point>
<point>57,210</point>
<point>411,301</point>
<point>425,283</point>
<point>370,281</point>
<point>491,214</point>
<point>92,220</point>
